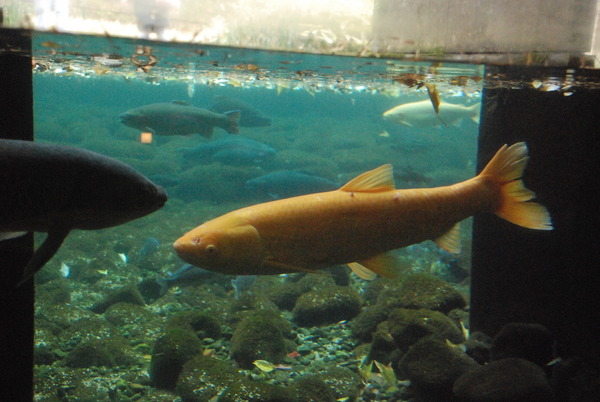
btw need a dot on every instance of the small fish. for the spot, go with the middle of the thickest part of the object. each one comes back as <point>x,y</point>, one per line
<point>250,116</point>
<point>242,283</point>
<point>179,118</point>
<point>56,188</point>
<point>421,114</point>
<point>234,151</point>
<point>186,274</point>
<point>359,223</point>
<point>267,366</point>
<point>65,270</point>
<point>287,183</point>
<point>123,257</point>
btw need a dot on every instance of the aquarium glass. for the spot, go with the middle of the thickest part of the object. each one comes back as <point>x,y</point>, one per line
<point>115,307</point>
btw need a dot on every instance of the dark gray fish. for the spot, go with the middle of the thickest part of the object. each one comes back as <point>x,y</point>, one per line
<point>235,151</point>
<point>179,118</point>
<point>55,189</point>
<point>287,183</point>
<point>250,117</point>
<point>242,283</point>
<point>186,274</point>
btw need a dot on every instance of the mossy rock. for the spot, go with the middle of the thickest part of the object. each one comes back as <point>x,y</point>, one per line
<point>93,352</point>
<point>424,291</point>
<point>136,323</point>
<point>382,347</point>
<point>258,337</point>
<point>95,327</point>
<point>202,378</point>
<point>204,325</point>
<point>312,388</point>
<point>343,382</point>
<point>127,294</point>
<point>285,295</point>
<point>366,322</point>
<point>254,391</point>
<point>327,306</point>
<point>53,292</point>
<point>408,326</point>
<point>510,379</point>
<point>171,352</point>
<point>432,367</point>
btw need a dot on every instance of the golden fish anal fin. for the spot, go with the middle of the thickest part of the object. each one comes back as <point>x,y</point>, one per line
<point>385,265</point>
<point>450,241</point>
<point>287,268</point>
<point>373,181</point>
<point>362,272</point>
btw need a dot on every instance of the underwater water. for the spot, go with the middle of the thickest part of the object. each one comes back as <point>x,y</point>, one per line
<point>119,316</point>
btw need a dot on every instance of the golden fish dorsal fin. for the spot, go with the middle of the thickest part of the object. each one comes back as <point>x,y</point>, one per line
<point>373,181</point>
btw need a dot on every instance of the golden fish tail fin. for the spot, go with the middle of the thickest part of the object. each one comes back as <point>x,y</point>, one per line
<point>506,168</point>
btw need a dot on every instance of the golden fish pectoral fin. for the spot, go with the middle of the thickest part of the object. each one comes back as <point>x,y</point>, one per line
<point>450,241</point>
<point>385,265</point>
<point>373,181</point>
<point>289,268</point>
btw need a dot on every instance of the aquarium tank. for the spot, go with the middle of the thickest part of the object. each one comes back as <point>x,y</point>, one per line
<point>364,200</point>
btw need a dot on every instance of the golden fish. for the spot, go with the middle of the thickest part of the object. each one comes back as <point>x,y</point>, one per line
<point>359,223</point>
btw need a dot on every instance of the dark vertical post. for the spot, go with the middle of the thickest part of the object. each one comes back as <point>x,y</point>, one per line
<point>550,278</point>
<point>16,304</point>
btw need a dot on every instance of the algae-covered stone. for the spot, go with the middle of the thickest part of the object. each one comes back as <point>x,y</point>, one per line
<point>127,294</point>
<point>312,388</point>
<point>366,322</point>
<point>53,292</point>
<point>256,391</point>
<point>343,382</point>
<point>101,352</point>
<point>424,291</point>
<point>203,324</point>
<point>327,306</point>
<point>533,342</point>
<point>136,323</point>
<point>203,378</point>
<point>171,352</point>
<point>285,295</point>
<point>383,348</point>
<point>408,326</point>
<point>258,337</point>
<point>432,367</point>
<point>509,379</point>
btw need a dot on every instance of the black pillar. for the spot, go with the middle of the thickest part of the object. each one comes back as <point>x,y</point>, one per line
<point>550,278</point>
<point>16,304</point>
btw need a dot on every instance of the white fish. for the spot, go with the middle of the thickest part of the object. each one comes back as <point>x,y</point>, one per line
<point>421,114</point>
<point>65,270</point>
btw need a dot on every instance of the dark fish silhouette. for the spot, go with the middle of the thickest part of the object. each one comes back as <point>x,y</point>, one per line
<point>250,117</point>
<point>287,183</point>
<point>55,189</point>
<point>179,118</point>
<point>235,151</point>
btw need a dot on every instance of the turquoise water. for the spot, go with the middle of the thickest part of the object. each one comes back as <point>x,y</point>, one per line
<point>100,290</point>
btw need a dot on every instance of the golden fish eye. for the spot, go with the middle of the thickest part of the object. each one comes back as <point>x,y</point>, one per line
<point>211,249</point>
